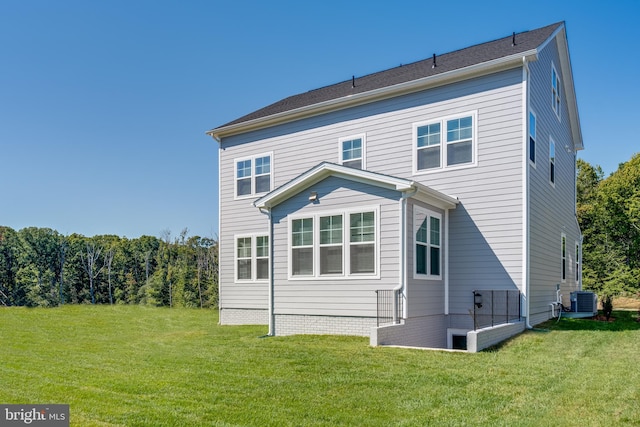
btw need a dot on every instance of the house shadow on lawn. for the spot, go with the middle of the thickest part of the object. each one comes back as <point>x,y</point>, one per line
<point>620,320</point>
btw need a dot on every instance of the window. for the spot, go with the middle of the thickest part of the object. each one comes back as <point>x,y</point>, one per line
<point>428,146</point>
<point>459,141</point>
<point>564,258</point>
<point>577,263</point>
<point>253,175</point>
<point>339,244</point>
<point>362,242</point>
<point>555,91</point>
<point>331,244</point>
<point>302,247</point>
<point>252,258</point>
<point>552,162</point>
<point>445,143</point>
<point>352,152</point>
<point>532,137</point>
<point>428,232</point>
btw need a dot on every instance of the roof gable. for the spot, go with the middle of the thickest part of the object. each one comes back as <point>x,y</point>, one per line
<point>326,169</point>
<point>411,77</point>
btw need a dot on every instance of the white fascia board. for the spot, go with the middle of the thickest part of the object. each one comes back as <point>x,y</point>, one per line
<point>503,63</point>
<point>434,197</point>
<point>567,76</point>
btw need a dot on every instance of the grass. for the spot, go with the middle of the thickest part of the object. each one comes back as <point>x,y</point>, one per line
<point>138,366</point>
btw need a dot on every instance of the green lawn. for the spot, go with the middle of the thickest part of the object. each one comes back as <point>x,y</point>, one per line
<point>131,365</point>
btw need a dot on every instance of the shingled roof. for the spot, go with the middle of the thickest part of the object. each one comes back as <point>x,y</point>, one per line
<point>459,59</point>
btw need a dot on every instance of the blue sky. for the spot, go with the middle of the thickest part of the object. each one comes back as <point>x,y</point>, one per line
<point>104,105</point>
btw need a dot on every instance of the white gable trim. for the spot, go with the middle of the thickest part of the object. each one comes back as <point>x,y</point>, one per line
<point>325,170</point>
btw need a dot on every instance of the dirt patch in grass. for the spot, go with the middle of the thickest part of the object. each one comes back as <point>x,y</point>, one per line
<point>626,303</point>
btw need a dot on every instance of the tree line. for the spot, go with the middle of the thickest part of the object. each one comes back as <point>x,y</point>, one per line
<point>609,217</point>
<point>41,267</point>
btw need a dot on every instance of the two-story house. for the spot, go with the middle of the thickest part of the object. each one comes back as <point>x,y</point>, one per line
<point>432,183</point>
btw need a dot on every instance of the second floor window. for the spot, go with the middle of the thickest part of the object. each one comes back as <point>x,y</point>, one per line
<point>532,138</point>
<point>555,91</point>
<point>445,143</point>
<point>352,152</point>
<point>552,162</point>
<point>253,175</point>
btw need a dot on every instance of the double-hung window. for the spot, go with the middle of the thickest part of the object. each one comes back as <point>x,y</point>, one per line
<point>445,143</point>
<point>362,242</point>
<point>555,91</point>
<point>428,244</point>
<point>331,238</point>
<point>335,244</point>
<point>252,258</point>
<point>532,137</point>
<point>253,175</point>
<point>552,162</point>
<point>302,247</point>
<point>352,151</point>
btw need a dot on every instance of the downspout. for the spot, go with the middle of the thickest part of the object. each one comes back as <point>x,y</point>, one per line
<point>526,273</point>
<point>402,288</point>
<point>270,309</point>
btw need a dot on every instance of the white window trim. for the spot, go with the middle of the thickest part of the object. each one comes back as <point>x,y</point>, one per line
<point>554,162</point>
<point>554,106</point>
<point>254,258</point>
<point>535,139</point>
<point>253,158</point>
<point>363,138</point>
<point>346,245</point>
<point>563,258</point>
<point>443,143</point>
<point>429,213</point>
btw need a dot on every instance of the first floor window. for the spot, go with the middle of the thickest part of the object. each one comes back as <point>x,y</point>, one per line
<point>331,244</point>
<point>302,247</point>
<point>362,242</point>
<point>252,258</point>
<point>244,258</point>
<point>336,244</point>
<point>428,229</point>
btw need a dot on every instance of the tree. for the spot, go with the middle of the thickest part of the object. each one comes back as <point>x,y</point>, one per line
<point>609,216</point>
<point>89,263</point>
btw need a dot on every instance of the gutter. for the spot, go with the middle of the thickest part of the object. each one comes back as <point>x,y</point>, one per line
<point>506,62</point>
<point>526,271</point>
<point>270,309</point>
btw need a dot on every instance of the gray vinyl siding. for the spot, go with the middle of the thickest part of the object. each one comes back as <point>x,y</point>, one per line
<point>336,296</point>
<point>552,208</point>
<point>485,229</point>
<point>425,297</point>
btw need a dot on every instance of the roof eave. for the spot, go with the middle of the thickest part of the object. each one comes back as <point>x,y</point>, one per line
<point>503,63</point>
